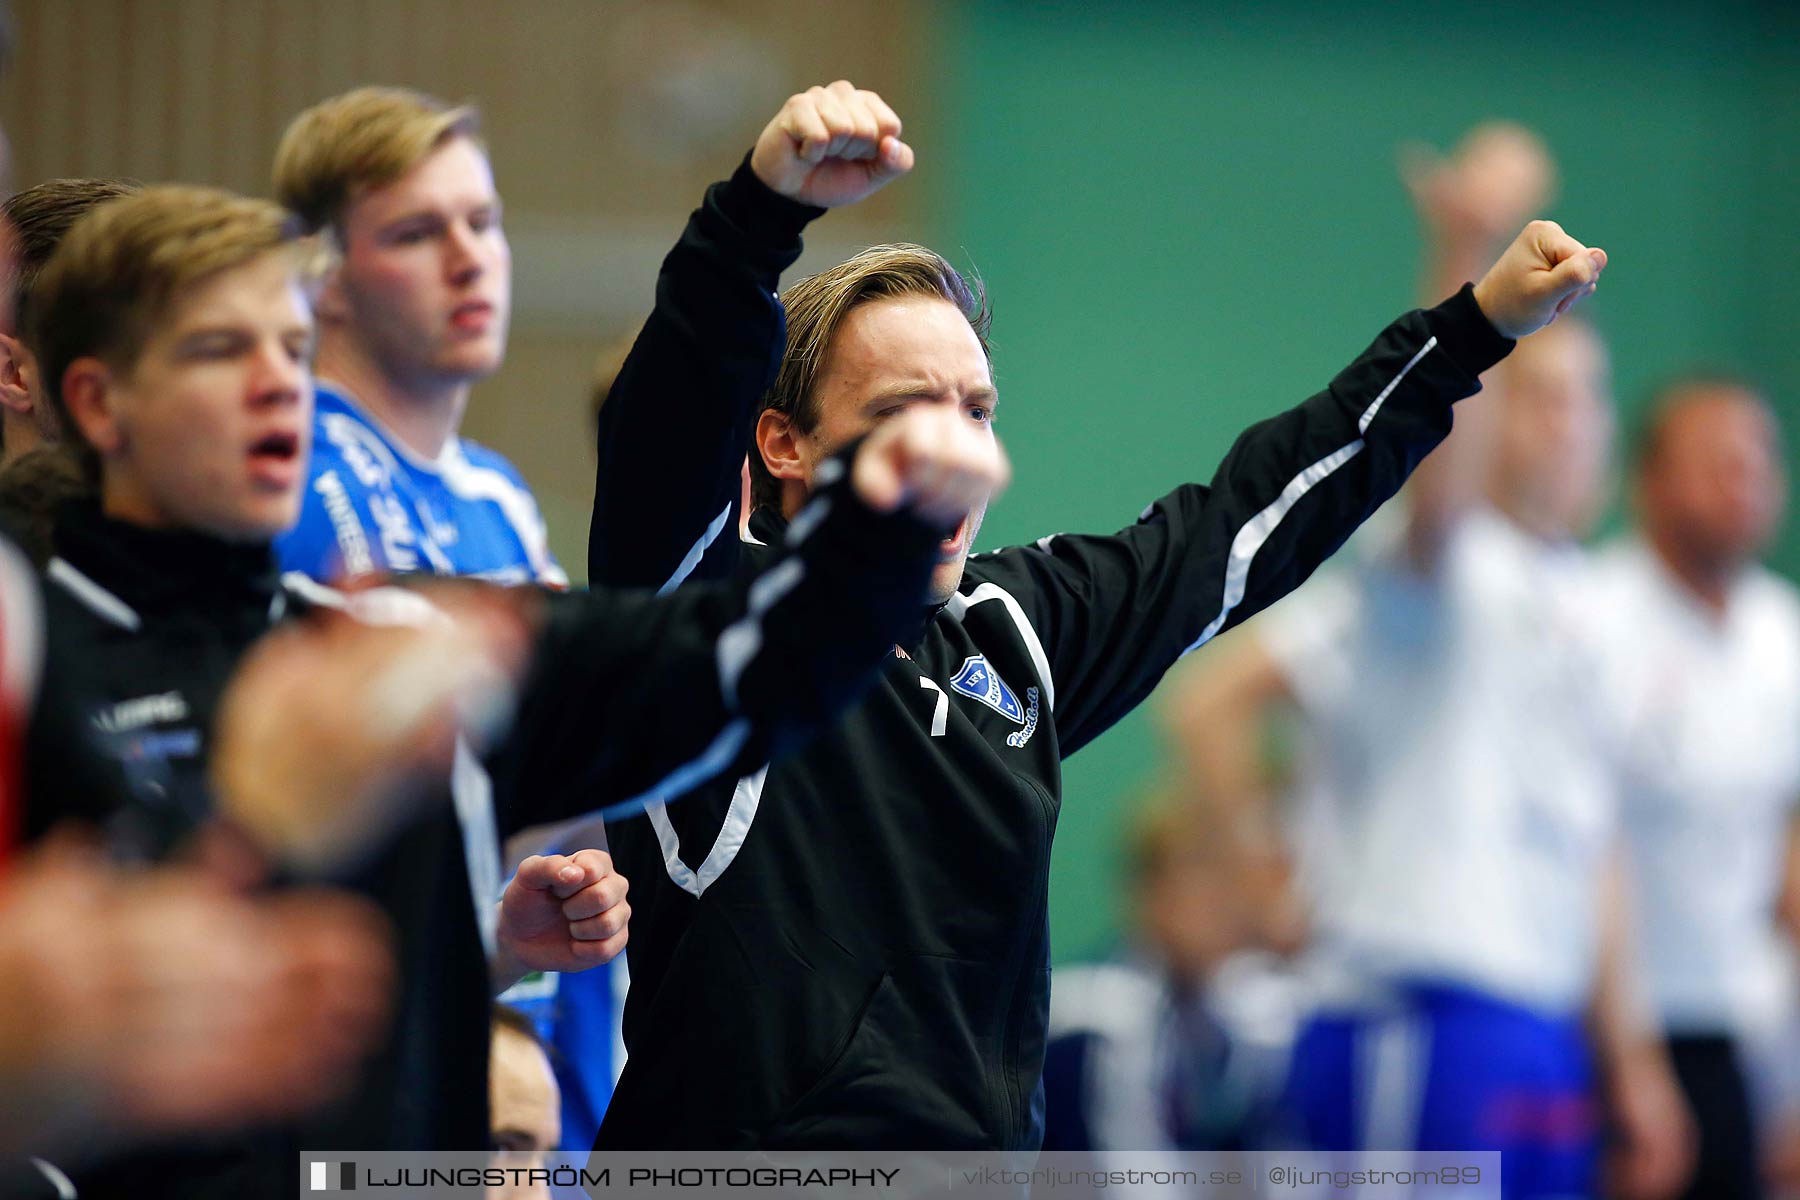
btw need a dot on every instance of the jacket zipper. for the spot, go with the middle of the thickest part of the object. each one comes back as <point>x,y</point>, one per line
<point>1028,969</point>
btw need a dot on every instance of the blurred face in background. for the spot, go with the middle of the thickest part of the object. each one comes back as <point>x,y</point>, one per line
<point>1711,488</point>
<point>209,429</point>
<point>1205,892</point>
<point>1553,428</point>
<point>426,281</point>
<point>525,1107</point>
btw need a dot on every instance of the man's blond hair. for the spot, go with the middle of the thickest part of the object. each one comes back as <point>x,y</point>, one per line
<point>363,139</point>
<point>816,309</point>
<point>120,267</point>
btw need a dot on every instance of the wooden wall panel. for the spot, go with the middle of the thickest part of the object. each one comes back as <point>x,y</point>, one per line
<point>606,119</point>
<point>591,106</point>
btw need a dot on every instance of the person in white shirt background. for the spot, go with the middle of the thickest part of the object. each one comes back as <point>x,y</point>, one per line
<point>1458,844</point>
<point>1704,678</point>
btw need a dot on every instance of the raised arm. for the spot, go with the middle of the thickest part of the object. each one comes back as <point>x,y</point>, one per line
<point>634,698</point>
<point>334,728</point>
<point>1113,613</point>
<point>676,425</point>
<point>1468,205</point>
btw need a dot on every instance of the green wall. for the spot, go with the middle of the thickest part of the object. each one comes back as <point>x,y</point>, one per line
<point>1188,217</point>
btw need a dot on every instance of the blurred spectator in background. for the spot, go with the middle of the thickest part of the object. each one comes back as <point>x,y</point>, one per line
<point>1706,684</point>
<point>414,313</point>
<point>1180,1043</point>
<point>37,475</point>
<point>1471,959</point>
<point>136,1003</point>
<point>39,216</point>
<point>524,1104</point>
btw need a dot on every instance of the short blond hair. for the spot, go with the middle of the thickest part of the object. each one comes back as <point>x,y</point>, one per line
<point>816,309</point>
<point>119,268</point>
<point>363,139</point>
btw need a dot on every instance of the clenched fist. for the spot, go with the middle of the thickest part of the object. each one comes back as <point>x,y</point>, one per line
<point>1541,276</point>
<point>831,146</point>
<point>929,458</point>
<point>563,914</point>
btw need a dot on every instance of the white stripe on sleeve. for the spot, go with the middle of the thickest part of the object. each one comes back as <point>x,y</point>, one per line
<point>696,552</point>
<point>1257,531</point>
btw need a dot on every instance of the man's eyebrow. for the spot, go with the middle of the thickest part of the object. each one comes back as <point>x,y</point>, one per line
<point>202,330</point>
<point>435,208</point>
<point>907,390</point>
<point>421,212</point>
<point>918,389</point>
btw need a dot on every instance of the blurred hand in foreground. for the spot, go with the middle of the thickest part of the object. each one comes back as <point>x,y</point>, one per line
<point>156,1001</point>
<point>336,725</point>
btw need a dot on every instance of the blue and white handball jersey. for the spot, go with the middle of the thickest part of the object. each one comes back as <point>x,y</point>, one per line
<point>372,505</point>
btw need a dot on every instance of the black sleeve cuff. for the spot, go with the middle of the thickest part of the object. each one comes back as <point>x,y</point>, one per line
<point>761,214</point>
<point>1466,334</point>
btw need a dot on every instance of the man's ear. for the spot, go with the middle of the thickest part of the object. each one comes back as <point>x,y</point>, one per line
<point>89,395</point>
<point>16,370</point>
<point>778,441</point>
<point>330,305</point>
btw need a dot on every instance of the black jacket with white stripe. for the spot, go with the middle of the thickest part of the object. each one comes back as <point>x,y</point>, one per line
<point>625,692</point>
<point>850,949</point>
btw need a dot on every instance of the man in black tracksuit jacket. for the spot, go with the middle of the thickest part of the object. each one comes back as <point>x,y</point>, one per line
<point>622,694</point>
<point>850,950</point>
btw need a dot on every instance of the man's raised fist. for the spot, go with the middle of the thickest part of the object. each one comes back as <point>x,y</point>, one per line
<point>1541,276</point>
<point>831,146</point>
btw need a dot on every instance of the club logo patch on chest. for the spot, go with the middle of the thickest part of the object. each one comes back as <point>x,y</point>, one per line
<point>979,681</point>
